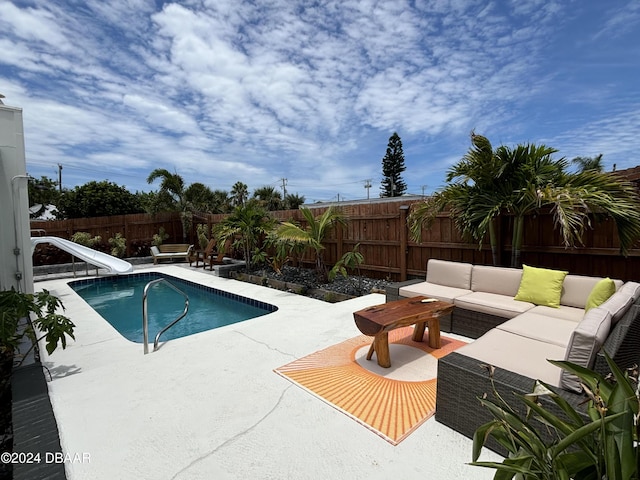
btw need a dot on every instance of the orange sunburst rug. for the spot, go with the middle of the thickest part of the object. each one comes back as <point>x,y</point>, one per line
<point>383,400</point>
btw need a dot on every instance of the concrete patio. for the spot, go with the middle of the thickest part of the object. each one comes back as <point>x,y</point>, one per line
<point>209,406</point>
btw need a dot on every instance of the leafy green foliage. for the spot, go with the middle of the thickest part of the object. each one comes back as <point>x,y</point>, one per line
<point>43,192</point>
<point>203,235</point>
<point>269,198</point>
<point>98,199</point>
<point>14,306</point>
<point>247,226</point>
<point>118,245</point>
<point>313,234</point>
<point>85,238</point>
<point>603,448</point>
<point>349,261</point>
<point>160,237</point>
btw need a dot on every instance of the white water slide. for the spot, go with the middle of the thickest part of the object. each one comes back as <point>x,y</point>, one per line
<point>103,260</point>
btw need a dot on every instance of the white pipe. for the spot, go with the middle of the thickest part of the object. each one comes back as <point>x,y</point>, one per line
<point>16,251</point>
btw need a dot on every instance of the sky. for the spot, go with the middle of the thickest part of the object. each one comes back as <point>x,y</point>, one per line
<point>221,91</point>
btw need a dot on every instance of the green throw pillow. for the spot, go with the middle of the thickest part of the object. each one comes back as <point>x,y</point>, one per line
<point>541,286</point>
<point>600,293</point>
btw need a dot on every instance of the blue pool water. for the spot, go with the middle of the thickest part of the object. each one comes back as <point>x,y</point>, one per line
<point>119,301</point>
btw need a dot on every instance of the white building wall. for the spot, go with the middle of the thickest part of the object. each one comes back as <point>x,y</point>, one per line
<point>16,266</point>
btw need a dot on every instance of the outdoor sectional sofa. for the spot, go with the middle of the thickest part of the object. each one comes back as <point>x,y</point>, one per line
<point>517,337</point>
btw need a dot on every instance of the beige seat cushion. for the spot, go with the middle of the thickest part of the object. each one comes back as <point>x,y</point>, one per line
<point>543,328</point>
<point>493,304</point>
<point>449,274</point>
<point>585,342</point>
<point>567,313</point>
<point>441,292</point>
<point>500,280</point>
<point>517,354</point>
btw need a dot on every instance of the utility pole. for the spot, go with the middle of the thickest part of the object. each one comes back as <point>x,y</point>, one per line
<point>424,187</point>
<point>60,177</point>
<point>367,185</point>
<point>284,188</point>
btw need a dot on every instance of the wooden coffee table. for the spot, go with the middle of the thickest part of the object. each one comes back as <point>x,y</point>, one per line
<point>379,320</point>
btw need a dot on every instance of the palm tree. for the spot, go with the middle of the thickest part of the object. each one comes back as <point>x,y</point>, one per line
<point>172,188</point>
<point>521,180</point>
<point>200,197</point>
<point>589,163</point>
<point>313,234</point>
<point>239,193</point>
<point>249,224</point>
<point>269,197</point>
<point>293,201</point>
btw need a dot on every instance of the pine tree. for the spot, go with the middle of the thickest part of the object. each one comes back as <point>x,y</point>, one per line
<point>392,184</point>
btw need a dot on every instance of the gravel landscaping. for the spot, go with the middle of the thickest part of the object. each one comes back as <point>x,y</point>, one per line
<point>352,285</point>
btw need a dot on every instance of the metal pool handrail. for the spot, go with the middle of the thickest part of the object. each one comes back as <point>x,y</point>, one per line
<point>145,316</point>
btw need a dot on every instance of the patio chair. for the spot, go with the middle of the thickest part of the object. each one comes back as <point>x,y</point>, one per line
<point>216,258</point>
<point>202,254</point>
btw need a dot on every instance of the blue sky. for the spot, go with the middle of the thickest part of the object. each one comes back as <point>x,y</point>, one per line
<point>222,91</point>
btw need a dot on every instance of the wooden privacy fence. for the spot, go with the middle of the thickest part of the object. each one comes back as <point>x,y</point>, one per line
<point>381,232</point>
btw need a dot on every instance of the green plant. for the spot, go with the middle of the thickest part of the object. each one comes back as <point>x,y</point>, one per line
<point>85,238</point>
<point>203,235</point>
<point>603,448</point>
<point>118,245</point>
<point>159,238</point>
<point>349,261</point>
<point>15,306</point>
<point>314,234</point>
<point>246,226</point>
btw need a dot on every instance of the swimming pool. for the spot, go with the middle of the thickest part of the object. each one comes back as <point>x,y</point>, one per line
<point>119,301</point>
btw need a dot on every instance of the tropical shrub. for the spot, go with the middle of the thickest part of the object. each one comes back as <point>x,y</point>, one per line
<point>202,232</point>
<point>349,261</point>
<point>160,237</point>
<point>606,447</point>
<point>118,245</point>
<point>85,238</point>
<point>15,306</point>
<point>313,234</point>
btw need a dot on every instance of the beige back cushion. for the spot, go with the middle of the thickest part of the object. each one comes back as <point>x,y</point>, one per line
<point>621,301</point>
<point>499,280</point>
<point>586,340</point>
<point>450,274</point>
<point>576,289</point>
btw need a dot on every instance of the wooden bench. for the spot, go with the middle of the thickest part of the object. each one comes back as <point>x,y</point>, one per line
<point>171,251</point>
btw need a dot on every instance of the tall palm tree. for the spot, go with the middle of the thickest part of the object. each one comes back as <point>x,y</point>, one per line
<point>172,187</point>
<point>486,184</point>
<point>239,193</point>
<point>313,234</point>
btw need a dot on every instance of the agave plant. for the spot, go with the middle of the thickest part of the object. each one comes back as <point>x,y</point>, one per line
<point>602,447</point>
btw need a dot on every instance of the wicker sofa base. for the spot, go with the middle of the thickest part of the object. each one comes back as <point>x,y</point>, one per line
<point>463,380</point>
